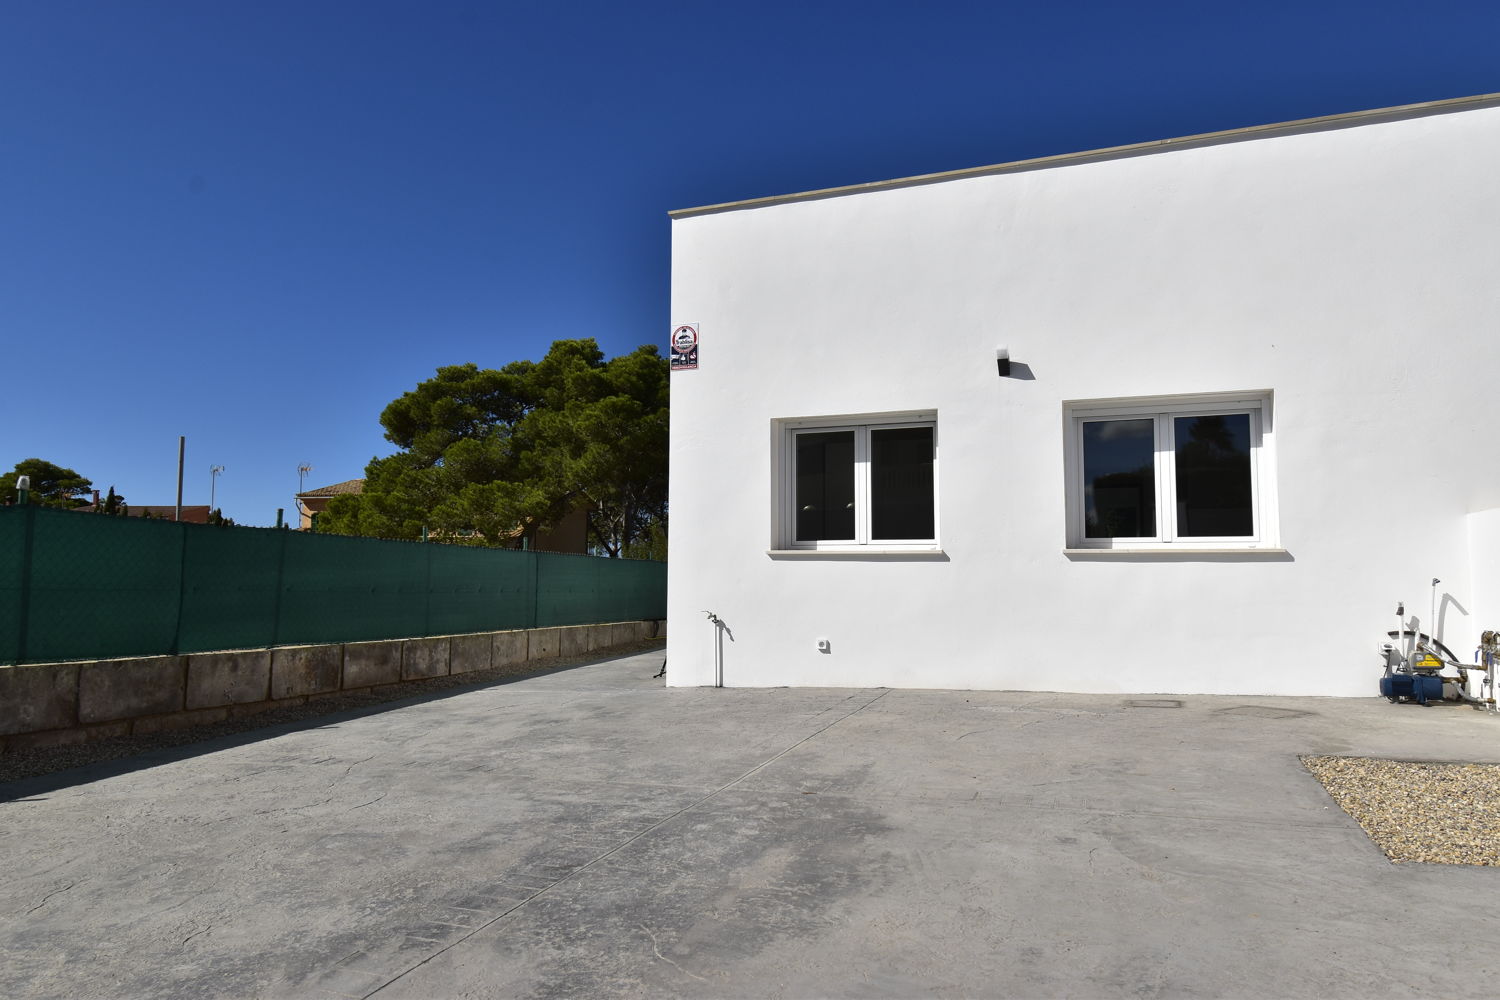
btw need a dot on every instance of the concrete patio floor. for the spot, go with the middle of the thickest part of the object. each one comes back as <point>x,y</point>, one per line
<point>588,833</point>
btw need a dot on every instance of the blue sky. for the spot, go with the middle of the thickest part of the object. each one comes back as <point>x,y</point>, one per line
<point>255,224</point>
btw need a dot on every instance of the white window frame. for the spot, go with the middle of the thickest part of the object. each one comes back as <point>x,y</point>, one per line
<point>1162,410</point>
<point>785,527</point>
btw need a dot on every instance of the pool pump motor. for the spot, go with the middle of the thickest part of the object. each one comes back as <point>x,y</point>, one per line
<point>1420,688</point>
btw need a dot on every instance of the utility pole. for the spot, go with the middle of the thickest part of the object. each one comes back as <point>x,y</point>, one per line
<point>181,451</point>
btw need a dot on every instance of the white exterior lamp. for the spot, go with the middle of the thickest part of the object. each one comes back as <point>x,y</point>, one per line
<point>23,490</point>
<point>1002,361</point>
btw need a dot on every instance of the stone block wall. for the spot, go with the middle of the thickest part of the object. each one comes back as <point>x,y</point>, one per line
<point>51,704</point>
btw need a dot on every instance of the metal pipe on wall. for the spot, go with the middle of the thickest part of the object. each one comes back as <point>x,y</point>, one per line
<point>719,629</point>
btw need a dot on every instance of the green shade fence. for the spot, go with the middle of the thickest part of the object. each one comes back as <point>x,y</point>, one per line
<point>84,586</point>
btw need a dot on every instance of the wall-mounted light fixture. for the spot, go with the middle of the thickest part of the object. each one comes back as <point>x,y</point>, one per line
<point>1002,360</point>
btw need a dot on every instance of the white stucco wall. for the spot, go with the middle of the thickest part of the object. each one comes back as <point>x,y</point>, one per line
<point>1350,271</point>
<point>1484,586</point>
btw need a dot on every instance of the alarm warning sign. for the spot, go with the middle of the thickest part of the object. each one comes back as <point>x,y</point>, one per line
<point>684,347</point>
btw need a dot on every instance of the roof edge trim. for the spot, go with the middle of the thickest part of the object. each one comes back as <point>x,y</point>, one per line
<point>1342,120</point>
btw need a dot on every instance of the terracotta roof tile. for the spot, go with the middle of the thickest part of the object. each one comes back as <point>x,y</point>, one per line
<point>337,489</point>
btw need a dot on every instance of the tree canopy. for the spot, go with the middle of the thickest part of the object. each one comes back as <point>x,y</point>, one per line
<point>113,505</point>
<point>51,485</point>
<point>487,453</point>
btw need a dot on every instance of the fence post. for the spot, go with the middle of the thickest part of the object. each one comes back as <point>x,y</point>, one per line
<point>280,585</point>
<point>427,594</point>
<point>535,588</point>
<point>24,605</point>
<point>181,583</point>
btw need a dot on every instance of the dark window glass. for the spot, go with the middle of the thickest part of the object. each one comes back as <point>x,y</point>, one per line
<point>1119,478</point>
<point>1213,475</point>
<point>901,483</point>
<point>825,486</point>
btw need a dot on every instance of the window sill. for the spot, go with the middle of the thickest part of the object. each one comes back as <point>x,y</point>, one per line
<point>1185,553</point>
<point>868,552</point>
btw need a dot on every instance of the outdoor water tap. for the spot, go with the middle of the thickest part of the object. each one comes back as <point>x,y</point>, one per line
<point>719,623</point>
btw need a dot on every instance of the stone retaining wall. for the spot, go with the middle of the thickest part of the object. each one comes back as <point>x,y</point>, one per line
<point>49,704</point>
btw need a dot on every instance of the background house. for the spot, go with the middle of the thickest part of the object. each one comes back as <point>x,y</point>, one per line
<point>1249,408</point>
<point>191,513</point>
<point>313,502</point>
<point>569,534</point>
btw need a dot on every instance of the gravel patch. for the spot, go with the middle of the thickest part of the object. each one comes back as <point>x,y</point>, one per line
<point>1438,813</point>
<point>17,764</point>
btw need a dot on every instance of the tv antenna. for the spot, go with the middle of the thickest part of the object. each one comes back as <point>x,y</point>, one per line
<point>302,471</point>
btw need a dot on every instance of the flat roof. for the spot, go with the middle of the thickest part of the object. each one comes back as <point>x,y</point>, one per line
<point>1345,120</point>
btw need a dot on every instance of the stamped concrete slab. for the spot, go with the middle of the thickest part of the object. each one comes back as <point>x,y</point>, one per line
<point>574,639</point>
<point>124,689</point>
<point>304,670</point>
<point>424,658</point>
<point>468,653</point>
<point>40,697</point>
<point>543,643</point>
<point>367,664</point>
<point>508,648</point>
<point>598,636</point>
<point>233,678</point>
<point>588,833</point>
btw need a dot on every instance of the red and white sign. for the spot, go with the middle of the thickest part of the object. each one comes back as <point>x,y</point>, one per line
<point>684,347</point>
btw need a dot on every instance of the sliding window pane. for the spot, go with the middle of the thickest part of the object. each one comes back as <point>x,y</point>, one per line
<point>1214,492</point>
<point>825,486</point>
<point>901,484</point>
<point>1119,478</point>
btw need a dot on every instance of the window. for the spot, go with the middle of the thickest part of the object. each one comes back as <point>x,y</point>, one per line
<point>1177,472</point>
<point>853,486</point>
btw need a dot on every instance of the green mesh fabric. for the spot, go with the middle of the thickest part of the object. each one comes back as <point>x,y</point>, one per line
<point>81,586</point>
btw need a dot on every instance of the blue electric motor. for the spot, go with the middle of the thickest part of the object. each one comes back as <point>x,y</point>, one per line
<point>1420,688</point>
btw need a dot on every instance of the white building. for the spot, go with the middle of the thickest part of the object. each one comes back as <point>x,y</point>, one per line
<point>1251,406</point>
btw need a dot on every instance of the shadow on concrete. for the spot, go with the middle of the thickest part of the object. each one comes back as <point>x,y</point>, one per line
<point>55,769</point>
